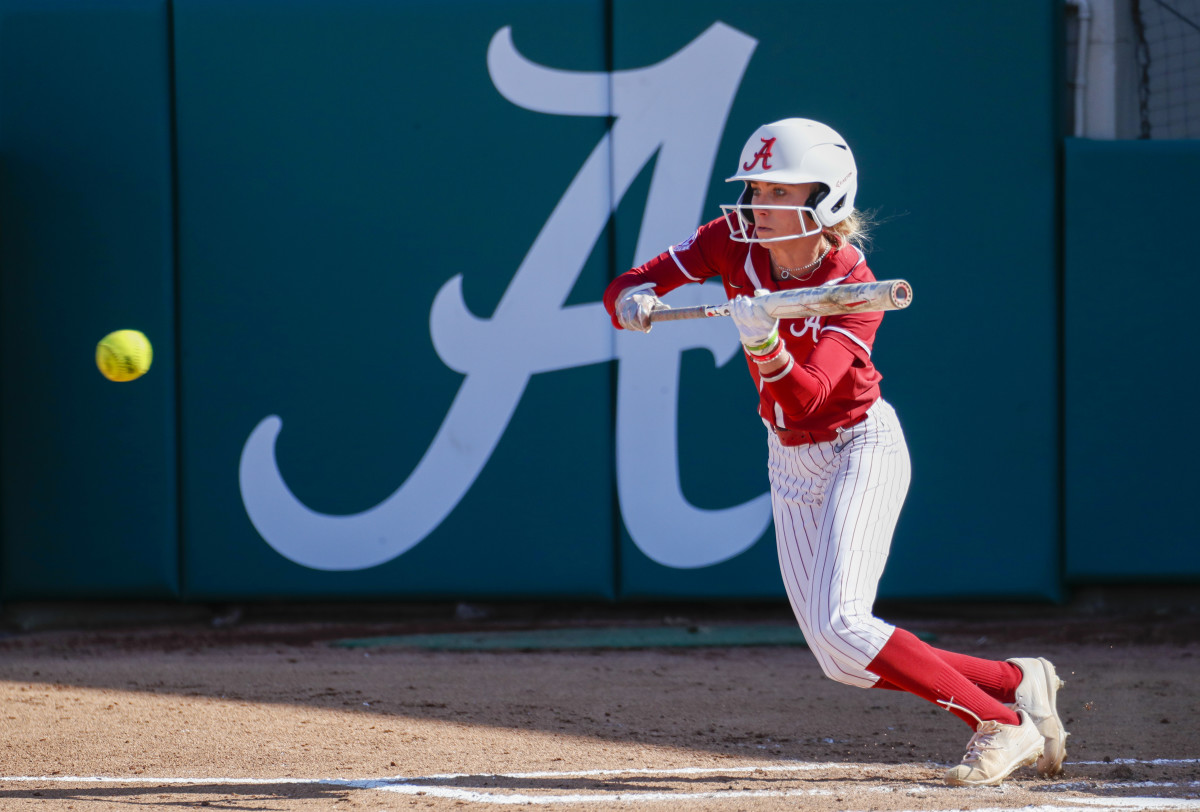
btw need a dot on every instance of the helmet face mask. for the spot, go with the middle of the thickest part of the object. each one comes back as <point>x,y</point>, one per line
<point>792,151</point>
<point>740,219</point>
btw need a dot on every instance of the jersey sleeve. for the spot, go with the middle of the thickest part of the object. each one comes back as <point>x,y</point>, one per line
<point>802,388</point>
<point>694,260</point>
<point>854,331</point>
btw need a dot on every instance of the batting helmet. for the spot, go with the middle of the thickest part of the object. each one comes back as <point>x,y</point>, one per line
<point>796,150</point>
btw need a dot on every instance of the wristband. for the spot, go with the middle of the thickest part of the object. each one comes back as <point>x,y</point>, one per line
<point>766,346</point>
<point>770,355</point>
<point>637,289</point>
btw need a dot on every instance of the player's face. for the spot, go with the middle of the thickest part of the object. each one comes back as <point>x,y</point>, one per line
<point>775,223</point>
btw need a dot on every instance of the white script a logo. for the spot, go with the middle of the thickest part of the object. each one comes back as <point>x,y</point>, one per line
<point>673,112</point>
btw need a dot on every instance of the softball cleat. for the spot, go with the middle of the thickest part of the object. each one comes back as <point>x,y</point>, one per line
<point>1037,695</point>
<point>996,751</point>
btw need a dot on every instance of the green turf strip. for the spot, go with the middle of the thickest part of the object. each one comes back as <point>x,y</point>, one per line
<point>613,637</point>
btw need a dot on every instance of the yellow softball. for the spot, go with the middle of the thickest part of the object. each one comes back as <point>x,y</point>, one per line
<point>123,355</point>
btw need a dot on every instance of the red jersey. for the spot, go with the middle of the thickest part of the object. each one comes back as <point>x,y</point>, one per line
<point>832,381</point>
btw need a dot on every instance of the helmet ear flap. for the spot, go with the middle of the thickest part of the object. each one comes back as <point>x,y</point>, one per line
<point>820,195</point>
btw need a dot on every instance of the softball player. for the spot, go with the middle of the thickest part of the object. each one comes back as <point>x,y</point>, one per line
<point>837,460</point>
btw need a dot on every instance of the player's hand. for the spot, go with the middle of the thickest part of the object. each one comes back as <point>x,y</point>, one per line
<point>757,329</point>
<point>634,307</point>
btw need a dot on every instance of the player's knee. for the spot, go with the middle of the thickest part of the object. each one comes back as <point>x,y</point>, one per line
<point>837,628</point>
<point>842,636</point>
<point>840,670</point>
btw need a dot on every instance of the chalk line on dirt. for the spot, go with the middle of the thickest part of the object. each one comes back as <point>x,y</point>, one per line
<point>428,786</point>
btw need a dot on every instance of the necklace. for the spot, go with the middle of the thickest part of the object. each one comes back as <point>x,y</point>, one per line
<point>794,273</point>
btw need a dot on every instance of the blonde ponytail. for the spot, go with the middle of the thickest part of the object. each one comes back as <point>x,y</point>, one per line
<point>855,230</point>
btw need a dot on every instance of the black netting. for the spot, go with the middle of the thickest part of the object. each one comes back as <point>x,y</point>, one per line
<point>1167,34</point>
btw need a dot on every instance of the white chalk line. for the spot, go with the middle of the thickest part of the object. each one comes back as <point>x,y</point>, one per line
<point>423,786</point>
<point>1093,805</point>
<point>474,796</point>
<point>1124,784</point>
<point>1152,761</point>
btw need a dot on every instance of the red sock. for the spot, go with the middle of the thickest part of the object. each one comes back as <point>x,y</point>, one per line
<point>997,678</point>
<point>916,667</point>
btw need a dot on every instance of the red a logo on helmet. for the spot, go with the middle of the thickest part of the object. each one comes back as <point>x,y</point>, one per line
<point>762,155</point>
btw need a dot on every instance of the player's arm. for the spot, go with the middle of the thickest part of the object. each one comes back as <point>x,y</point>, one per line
<point>801,386</point>
<point>630,297</point>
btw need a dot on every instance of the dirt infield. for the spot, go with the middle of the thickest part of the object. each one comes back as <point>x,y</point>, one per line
<point>265,714</point>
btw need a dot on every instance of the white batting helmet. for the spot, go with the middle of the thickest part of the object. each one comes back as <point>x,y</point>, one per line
<point>796,150</point>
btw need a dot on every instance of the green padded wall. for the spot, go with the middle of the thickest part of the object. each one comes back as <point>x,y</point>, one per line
<point>1131,466</point>
<point>88,466</point>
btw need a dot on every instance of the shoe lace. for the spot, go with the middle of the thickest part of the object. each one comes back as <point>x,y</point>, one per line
<point>984,733</point>
<point>950,703</point>
<point>982,740</point>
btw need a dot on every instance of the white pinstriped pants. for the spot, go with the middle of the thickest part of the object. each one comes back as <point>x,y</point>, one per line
<point>836,505</point>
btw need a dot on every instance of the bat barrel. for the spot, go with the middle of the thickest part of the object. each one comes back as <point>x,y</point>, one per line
<point>823,300</point>
<point>834,300</point>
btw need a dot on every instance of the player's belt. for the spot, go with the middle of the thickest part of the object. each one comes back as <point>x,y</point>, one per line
<point>794,437</point>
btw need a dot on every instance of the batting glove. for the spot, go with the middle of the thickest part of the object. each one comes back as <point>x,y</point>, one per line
<point>758,329</point>
<point>635,305</point>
